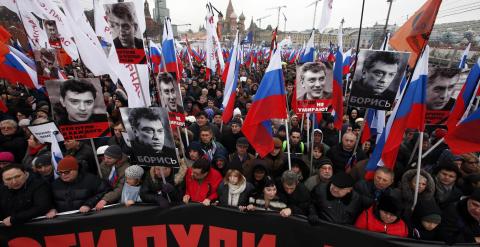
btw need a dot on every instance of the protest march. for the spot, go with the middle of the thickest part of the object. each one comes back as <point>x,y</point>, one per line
<point>123,129</point>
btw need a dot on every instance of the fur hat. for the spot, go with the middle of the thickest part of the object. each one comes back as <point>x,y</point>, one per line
<point>342,180</point>
<point>68,163</point>
<point>389,204</point>
<point>134,171</point>
<point>114,151</point>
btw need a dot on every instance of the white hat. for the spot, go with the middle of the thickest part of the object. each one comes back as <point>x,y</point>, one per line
<point>101,150</point>
<point>24,122</point>
<point>237,111</point>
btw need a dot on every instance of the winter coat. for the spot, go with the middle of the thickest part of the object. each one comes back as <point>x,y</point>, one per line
<point>369,193</point>
<point>86,157</point>
<point>223,194</point>
<point>195,129</point>
<point>206,189</point>
<point>32,200</point>
<point>85,190</point>
<point>370,220</point>
<point>31,155</point>
<point>407,193</point>
<point>116,193</point>
<point>276,165</point>
<point>155,191</point>
<point>298,201</point>
<point>458,226</point>
<point>16,144</point>
<point>341,157</point>
<point>336,210</point>
<point>274,205</point>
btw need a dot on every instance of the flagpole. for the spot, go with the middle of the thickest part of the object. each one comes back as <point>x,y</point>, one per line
<point>311,148</point>
<point>96,158</point>
<point>288,145</point>
<point>308,129</point>
<point>413,153</point>
<point>419,165</point>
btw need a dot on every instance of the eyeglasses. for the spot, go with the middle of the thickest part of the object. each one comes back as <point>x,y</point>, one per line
<point>60,173</point>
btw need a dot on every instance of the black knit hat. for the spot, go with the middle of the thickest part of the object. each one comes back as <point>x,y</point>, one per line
<point>114,151</point>
<point>342,180</point>
<point>389,204</point>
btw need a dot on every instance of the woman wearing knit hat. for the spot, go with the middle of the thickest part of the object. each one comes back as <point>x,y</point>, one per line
<point>383,217</point>
<point>131,188</point>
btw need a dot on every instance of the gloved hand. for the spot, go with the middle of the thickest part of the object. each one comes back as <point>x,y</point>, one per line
<point>313,219</point>
<point>167,188</point>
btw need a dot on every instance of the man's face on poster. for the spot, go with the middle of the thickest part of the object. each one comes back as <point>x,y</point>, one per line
<point>79,106</point>
<point>379,77</point>
<point>439,92</point>
<point>314,83</point>
<point>169,98</point>
<point>124,29</point>
<point>150,133</point>
<point>46,63</point>
<point>52,31</point>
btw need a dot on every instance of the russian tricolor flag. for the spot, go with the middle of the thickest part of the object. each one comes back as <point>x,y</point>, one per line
<point>56,152</point>
<point>409,113</point>
<point>465,138</point>
<point>347,59</point>
<point>14,70</point>
<point>463,61</point>
<point>464,97</point>
<point>337,94</point>
<point>308,54</point>
<point>155,56</point>
<point>230,94</point>
<point>269,103</point>
<point>168,48</point>
<point>374,124</point>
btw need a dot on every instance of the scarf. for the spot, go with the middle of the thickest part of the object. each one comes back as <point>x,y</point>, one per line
<point>234,191</point>
<point>35,150</point>
<point>130,193</point>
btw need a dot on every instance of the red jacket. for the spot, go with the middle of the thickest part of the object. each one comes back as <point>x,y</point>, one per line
<point>368,221</point>
<point>206,189</point>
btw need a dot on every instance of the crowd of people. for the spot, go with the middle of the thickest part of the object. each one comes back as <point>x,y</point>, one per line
<point>323,182</point>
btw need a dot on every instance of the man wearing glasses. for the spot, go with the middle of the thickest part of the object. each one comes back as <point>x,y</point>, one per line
<point>75,190</point>
<point>124,26</point>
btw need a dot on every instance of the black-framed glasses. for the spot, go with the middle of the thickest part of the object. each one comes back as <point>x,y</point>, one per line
<point>63,172</point>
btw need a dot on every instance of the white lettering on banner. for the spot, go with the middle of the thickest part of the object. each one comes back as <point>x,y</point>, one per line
<point>134,78</point>
<point>157,160</point>
<point>370,101</point>
<point>312,109</point>
<point>320,104</point>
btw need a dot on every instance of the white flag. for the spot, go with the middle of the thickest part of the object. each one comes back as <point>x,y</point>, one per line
<point>326,13</point>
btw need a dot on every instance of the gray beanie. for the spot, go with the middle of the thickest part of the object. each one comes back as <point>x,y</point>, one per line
<point>114,151</point>
<point>134,171</point>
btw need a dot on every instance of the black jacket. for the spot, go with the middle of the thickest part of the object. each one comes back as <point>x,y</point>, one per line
<point>458,226</point>
<point>298,201</point>
<point>155,191</point>
<point>340,157</point>
<point>369,193</point>
<point>32,200</point>
<point>16,144</point>
<point>336,210</point>
<point>222,192</point>
<point>85,157</point>
<point>85,190</point>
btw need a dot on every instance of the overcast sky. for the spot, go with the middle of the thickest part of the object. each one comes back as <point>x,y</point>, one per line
<point>300,18</point>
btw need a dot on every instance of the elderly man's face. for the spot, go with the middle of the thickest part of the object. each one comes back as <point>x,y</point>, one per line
<point>439,92</point>
<point>79,106</point>
<point>169,98</point>
<point>150,133</point>
<point>314,83</point>
<point>348,142</point>
<point>7,129</point>
<point>380,76</point>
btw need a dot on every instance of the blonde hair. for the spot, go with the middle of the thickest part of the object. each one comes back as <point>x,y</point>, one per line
<point>235,172</point>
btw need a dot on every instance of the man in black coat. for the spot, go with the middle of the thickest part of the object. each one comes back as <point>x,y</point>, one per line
<point>461,221</point>
<point>335,202</point>
<point>294,193</point>
<point>23,197</point>
<point>75,190</point>
<point>371,191</point>
<point>12,139</point>
<point>342,155</point>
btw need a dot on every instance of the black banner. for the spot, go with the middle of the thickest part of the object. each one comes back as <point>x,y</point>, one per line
<point>191,225</point>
